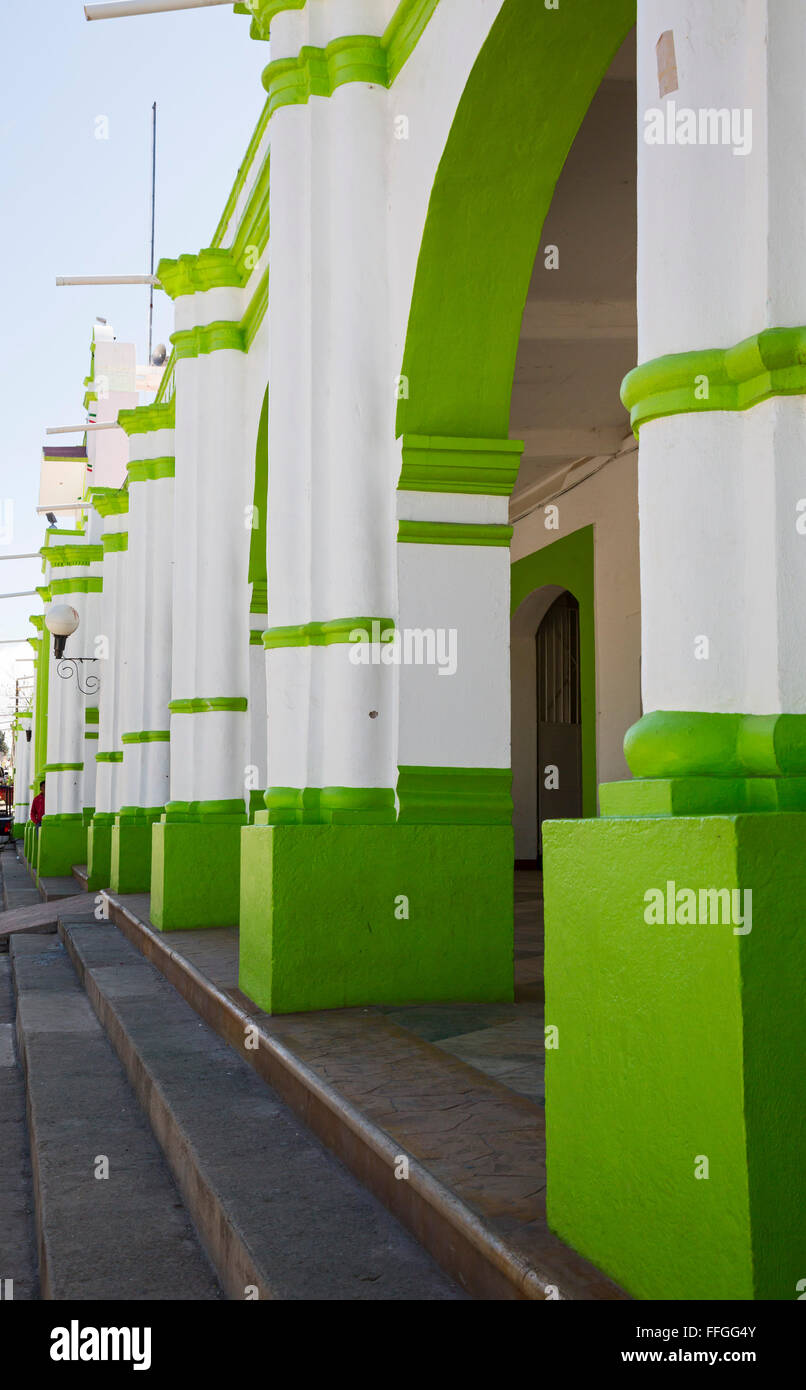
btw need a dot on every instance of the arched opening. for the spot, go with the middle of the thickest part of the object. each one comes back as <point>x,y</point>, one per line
<point>559,715</point>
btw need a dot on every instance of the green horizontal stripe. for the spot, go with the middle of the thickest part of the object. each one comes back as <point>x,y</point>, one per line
<point>92,735</point>
<point>211,812</point>
<point>63,556</point>
<point>771,363</point>
<point>116,540</point>
<point>337,630</point>
<point>147,736</point>
<point>63,767</point>
<point>454,795</point>
<point>62,816</point>
<point>91,714</point>
<point>145,419</point>
<point>235,703</point>
<point>452,533</point>
<point>109,757</point>
<point>256,638</point>
<point>212,337</point>
<point>438,464</point>
<point>330,806</point>
<point>91,584</point>
<point>150,470</point>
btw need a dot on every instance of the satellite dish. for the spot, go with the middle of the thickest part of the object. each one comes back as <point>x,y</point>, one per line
<point>159,355</point>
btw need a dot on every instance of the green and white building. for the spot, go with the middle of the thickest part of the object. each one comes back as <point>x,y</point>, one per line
<point>403,406</point>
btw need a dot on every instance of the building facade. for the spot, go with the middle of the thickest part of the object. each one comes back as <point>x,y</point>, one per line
<point>365,601</point>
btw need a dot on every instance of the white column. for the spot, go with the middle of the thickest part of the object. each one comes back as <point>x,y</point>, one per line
<point>22,770</point>
<point>722,560</point>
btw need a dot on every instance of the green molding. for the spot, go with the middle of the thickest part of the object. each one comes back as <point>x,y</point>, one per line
<point>398,42</point>
<point>259,602</point>
<point>91,714</point>
<point>569,564</point>
<point>63,556</point>
<point>110,501</point>
<point>192,812</point>
<point>147,736</point>
<point>452,533</point>
<point>115,540</point>
<point>256,638</point>
<point>92,735</point>
<point>211,337</point>
<point>327,634</point>
<point>253,228</point>
<point>262,13</point>
<point>329,806</point>
<point>688,744</point>
<point>771,363</point>
<point>524,100</point>
<point>44,590</point>
<point>235,704</point>
<point>321,71</point>
<point>455,795</point>
<point>210,269</point>
<point>63,767</point>
<point>440,464</point>
<point>109,757</point>
<point>92,585</point>
<point>144,419</point>
<point>150,470</point>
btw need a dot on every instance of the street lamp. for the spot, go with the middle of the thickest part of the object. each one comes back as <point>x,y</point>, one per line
<point>62,621</point>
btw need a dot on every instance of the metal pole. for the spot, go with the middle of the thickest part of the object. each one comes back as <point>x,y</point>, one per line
<point>153,210</point>
<point>106,280</point>
<point>119,11</point>
<point>23,593</point>
<point>81,429</point>
<point>29,555</point>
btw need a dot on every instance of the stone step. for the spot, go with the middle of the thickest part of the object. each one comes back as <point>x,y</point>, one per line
<point>123,1236</point>
<point>18,1271</point>
<point>375,1092</point>
<point>53,890</point>
<point>276,1211</point>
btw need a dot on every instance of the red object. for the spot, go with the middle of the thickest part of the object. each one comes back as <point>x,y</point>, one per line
<point>38,808</point>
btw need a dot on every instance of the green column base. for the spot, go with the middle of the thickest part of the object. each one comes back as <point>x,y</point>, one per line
<point>195,872</point>
<point>677,1044</point>
<point>131,850</point>
<point>99,850</point>
<point>62,843</point>
<point>18,830</point>
<point>323,924</point>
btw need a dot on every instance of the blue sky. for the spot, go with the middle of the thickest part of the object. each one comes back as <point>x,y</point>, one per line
<point>71,204</point>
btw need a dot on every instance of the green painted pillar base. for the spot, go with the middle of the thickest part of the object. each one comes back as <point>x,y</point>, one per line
<point>195,865</point>
<point>99,850</point>
<point>18,830</point>
<point>131,849</point>
<point>676,1129</point>
<point>341,915</point>
<point>62,843</point>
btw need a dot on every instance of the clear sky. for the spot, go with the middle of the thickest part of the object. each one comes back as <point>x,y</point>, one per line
<point>73,204</point>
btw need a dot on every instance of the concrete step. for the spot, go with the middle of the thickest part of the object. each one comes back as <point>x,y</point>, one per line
<point>123,1236</point>
<point>18,891</point>
<point>81,876</point>
<point>53,890</point>
<point>276,1211</point>
<point>18,1271</point>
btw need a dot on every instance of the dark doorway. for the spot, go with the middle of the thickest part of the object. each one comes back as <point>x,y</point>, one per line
<point>559,719</point>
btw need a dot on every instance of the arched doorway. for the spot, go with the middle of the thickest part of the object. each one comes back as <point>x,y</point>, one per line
<point>558,691</point>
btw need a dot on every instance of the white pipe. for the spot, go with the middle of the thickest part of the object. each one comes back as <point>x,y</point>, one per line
<point>66,507</point>
<point>80,429</point>
<point>22,593</point>
<point>107,280</point>
<point>119,11</point>
<point>30,555</point>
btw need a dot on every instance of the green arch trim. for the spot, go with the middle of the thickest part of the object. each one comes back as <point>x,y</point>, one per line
<point>236,704</point>
<point>147,736</point>
<point>692,744</point>
<point>150,470</point>
<point>568,563</point>
<point>257,575</point>
<point>771,363</point>
<point>523,103</point>
<point>328,634</point>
